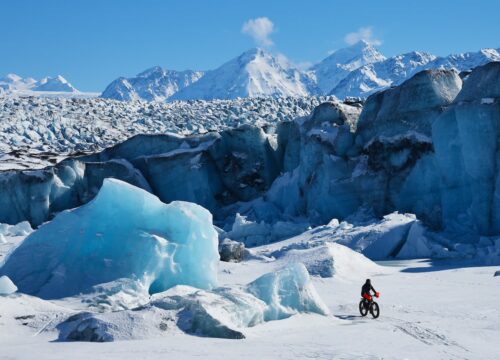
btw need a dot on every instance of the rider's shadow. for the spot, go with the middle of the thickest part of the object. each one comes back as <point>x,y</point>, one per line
<point>349,317</point>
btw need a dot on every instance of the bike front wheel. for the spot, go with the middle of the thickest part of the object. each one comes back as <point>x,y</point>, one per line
<point>374,310</point>
<point>363,310</point>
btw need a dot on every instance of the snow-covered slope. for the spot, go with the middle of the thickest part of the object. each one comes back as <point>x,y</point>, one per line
<point>255,73</point>
<point>13,83</point>
<point>156,84</point>
<point>466,61</point>
<point>377,76</point>
<point>54,84</point>
<point>330,71</point>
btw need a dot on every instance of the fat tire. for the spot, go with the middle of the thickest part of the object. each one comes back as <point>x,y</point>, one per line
<point>375,310</point>
<point>362,309</point>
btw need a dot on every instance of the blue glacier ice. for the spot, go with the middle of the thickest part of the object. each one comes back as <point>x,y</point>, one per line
<point>125,232</point>
<point>287,292</point>
<point>466,140</point>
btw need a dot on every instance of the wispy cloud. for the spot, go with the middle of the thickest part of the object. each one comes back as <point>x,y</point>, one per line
<point>286,62</point>
<point>260,29</point>
<point>363,33</point>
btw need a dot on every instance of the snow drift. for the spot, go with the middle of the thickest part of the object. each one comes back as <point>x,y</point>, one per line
<point>221,312</point>
<point>7,287</point>
<point>331,260</point>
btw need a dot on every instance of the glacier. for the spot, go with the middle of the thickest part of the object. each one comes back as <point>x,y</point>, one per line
<point>124,232</point>
<point>36,132</point>
<point>262,183</point>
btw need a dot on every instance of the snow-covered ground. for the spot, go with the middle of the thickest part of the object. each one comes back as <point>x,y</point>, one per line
<point>438,311</point>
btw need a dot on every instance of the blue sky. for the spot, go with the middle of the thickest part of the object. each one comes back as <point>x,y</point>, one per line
<point>93,42</point>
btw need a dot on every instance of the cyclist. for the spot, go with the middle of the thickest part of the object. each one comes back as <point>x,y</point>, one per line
<point>365,290</point>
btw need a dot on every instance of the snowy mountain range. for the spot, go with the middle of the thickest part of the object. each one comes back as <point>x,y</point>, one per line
<point>355,71</point>
<point>358,70</point>
<point>377,76</point>
<point>13,83</point>
<point>155,84</point>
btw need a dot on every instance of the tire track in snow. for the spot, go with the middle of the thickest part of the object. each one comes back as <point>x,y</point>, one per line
<point>422,334</point>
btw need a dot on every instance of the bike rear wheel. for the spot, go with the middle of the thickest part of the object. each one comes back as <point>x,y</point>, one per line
<point>375,310</point>
<point>363,310</point>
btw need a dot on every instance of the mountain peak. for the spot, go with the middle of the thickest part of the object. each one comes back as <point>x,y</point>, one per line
<point>156,70</point>
<point>153,84</point>
<point>361,44</point>
<point>12,77</point>
<point>16,83</point>
<point>340,63</point>
<point>254,73</point>
<point>253,51</point>
<point>58,83</point>
<point>252,54</point>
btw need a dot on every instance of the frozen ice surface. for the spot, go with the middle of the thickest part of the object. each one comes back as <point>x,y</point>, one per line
<point>37,132</point>
<point>416,244</point>
<point>287,292</point>
<point>331,260</point>
<point>465,139</point>
<point>7,286</point>
<point>222,312</point>
<point>412,106</point>
<point>425,327</point>
<point>377,240</point>
<point>21,229</point>
<point>253,233</point>
<point>125,232</point>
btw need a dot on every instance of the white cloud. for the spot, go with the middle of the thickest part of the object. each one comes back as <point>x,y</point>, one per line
<point>363,33</point>
<point>260,30</point>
